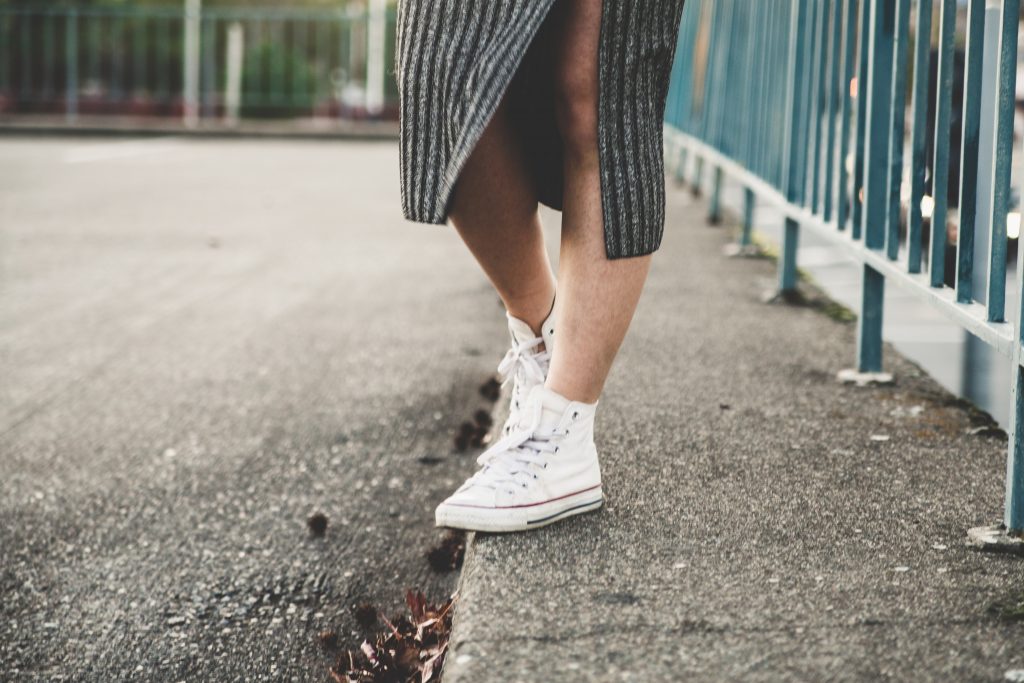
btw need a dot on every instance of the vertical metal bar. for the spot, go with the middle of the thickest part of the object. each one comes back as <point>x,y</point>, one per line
<point>5,56</point>
<point>898,122</point>
<point>970,129</point>
<point>160,58</point>
<point>117,42</point>
<point>796,100</point>
<point>940,164</point>
<point>277,57</point>
<point>234,57</point>
<point>749,84</point>
<point>819,55</point>
<point>715,208</point>
<point>375,61</point>
<point>208,84</point>
<point>1003,158</point>
<point>795,158</point>
<point>190,62</point>
<point>93,45</point>
<point>25,33</point>
<point>869,333</point>
<point>322,68</point>
<point>787,259</point>
<point>918,136</point>
<point>878,94</point>
<point>988,102</point>
<point>1013,511</point>
<point>71,65</point>
<point>300,70</point>
<point>832,103</point>
<point>49,57</point>
<point>140,34</point>
<point>759,59</point>
<point>849,51</point>
<point>746,237</point>
<point>862,79</point>
<point>681,167</point>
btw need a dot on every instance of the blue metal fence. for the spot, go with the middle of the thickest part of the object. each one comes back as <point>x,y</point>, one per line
<point>804,104</point>
<point>134,60</point>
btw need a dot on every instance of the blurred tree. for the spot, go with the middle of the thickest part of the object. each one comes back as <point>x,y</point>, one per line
<point>284,4</point>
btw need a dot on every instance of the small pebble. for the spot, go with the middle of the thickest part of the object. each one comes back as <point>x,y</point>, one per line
<point>317,524</point>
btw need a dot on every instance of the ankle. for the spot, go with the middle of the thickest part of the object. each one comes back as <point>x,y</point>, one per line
<point>533,311</point>
<point>578,392</point>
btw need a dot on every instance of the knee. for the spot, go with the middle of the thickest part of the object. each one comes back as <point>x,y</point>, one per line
<point>576,111</point>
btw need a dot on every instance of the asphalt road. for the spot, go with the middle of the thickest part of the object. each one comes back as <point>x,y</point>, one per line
<point>201,344</point>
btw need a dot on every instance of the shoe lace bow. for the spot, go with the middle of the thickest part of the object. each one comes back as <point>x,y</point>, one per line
<point>524,358</point>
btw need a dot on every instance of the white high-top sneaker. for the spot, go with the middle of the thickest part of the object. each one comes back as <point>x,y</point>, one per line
<point>544,470</point>
<point>524,363</point>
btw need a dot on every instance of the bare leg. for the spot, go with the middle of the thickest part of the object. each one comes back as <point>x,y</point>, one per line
<point>596,296</point>
<point>495,212</point>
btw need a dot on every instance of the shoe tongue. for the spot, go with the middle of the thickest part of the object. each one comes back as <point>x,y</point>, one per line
<point>552,406</point>
<point>520,330</point>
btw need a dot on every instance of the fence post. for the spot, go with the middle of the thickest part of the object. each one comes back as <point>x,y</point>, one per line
<point>680,174</point>
<point>193,17</point>
<point>376,28</point>
<point>233,78</point>
<point>1010,534</point>
<point>698,175</point>
<point>999,201</point>
<point>715,206</point>
<point>746,237</point>
<point>71,60</point>
<point>940,165</point>
<point>918,137</point>
<point>795,158</point>
<point>1012,530</point>
<point>878,105</point>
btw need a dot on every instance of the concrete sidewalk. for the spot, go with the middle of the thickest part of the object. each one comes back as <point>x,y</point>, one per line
<point>762,521</point>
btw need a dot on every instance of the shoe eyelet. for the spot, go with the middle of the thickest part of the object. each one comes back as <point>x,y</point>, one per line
<point>575,415</point>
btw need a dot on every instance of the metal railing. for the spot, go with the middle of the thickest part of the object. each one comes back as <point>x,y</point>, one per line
<point>807,104</point>
<point>186,60</point>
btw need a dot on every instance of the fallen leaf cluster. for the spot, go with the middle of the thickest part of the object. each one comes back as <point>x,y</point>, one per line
<point>491,389</point>
<point>474,433</point>
<point>411,650</point>
<point>447,555</point>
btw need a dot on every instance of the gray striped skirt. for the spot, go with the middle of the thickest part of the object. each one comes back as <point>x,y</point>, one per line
<point>456,58</point>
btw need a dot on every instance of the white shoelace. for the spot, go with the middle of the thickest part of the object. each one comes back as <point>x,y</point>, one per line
<point>508,461</point>
<point>523,361</point>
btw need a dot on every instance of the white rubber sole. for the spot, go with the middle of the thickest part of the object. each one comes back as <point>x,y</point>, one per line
<point>519,518</point>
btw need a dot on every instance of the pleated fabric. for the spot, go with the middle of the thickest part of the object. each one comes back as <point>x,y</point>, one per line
<point>456,58</point>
